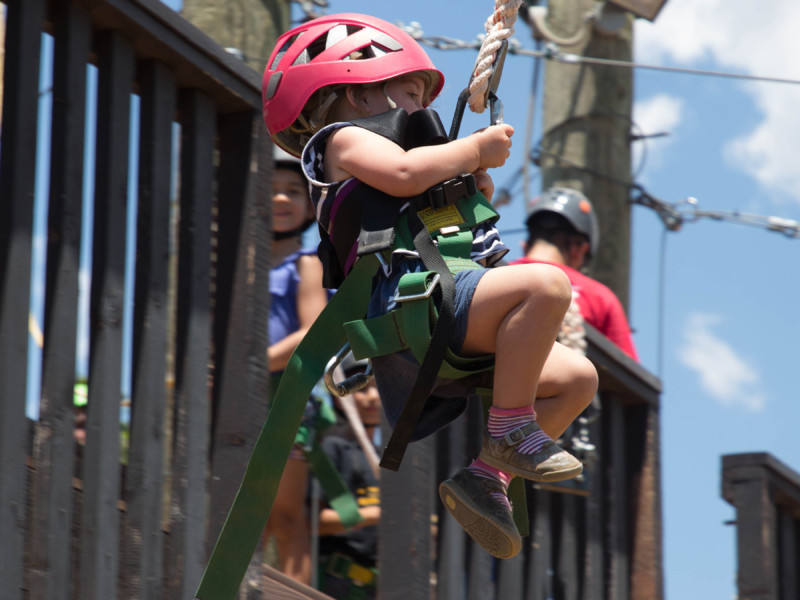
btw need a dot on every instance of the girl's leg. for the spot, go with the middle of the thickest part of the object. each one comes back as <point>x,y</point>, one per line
<point>289,524</point>
<point>516,313</point>
<point>567,385</point>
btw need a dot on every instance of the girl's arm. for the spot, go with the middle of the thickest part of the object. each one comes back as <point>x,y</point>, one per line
<point>382,164</point>
<point>311,300</point>
<point>330,523</point>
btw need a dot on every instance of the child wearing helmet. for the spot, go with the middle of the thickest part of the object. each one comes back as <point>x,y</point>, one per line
<point>296,300</point>
<point>350,93</point>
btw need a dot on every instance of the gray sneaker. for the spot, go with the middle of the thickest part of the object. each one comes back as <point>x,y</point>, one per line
<point>468,498</point>
<point>550,463</point>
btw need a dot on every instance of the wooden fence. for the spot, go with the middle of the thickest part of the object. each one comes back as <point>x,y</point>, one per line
<point>766,496</point>
<point>597,540</point>
<point>182,159</point>
<point>200,297</point>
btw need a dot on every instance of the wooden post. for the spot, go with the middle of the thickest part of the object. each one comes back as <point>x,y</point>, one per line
<point>249,26</point>
<point>585,144</point>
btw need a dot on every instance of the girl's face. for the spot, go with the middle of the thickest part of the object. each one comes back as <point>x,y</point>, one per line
<point>407,92</point>
<point>290,204</point>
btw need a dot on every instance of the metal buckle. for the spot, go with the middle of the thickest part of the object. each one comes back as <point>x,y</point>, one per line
<point>515,436</point>
<point>452,190</point>
<point>420,296</point>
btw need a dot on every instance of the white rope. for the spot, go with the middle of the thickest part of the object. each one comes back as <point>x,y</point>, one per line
<point>498,27</point>
<point>573,333</point>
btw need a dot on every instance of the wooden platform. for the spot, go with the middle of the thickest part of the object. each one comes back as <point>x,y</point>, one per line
<point>266,583</point>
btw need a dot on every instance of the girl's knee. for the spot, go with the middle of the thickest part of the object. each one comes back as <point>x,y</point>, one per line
<point>586,379</point>
<point>548,283</point>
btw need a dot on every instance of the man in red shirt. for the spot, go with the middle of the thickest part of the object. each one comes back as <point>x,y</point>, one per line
<point>562,231</point>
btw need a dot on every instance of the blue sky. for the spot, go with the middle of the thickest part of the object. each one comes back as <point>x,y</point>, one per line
<point>718,322</point>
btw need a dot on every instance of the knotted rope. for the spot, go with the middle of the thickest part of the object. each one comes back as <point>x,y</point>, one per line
<point>498,27</point>
<point>573,333</point>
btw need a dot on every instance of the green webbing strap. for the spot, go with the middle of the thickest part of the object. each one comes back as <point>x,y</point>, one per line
<point>252,505</point>
<point>307,436</point>
<point>339,497</point>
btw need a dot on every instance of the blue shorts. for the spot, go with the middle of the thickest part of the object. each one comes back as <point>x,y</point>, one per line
<point>395,374</point>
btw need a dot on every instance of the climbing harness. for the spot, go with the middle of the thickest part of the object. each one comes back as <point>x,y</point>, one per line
<point>437,225</point>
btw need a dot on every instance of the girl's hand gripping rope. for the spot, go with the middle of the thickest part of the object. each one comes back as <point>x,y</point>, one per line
<point>494,145</point>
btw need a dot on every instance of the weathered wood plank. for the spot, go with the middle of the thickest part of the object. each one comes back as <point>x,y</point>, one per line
<point>788,555</point>
<point>197,61</point>
<point>511,576</point>
<point>756,539</point>
<point>404,548</point>
<point>17,182</point>
<point>241,304</point>
<point>593,551</point>
<point>142,550</point>
<point>567,567</point>
<point>646,578</point>
<point>101,467</point>
<point>187,550</point>
<point>451,538</point>
<point>539,582</point>
<point>617,522</point>
<point>50,573</point>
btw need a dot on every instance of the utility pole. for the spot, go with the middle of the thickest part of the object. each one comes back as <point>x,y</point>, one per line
<point>586,146</point>
<point>586,127</point>
<point>249,26</point>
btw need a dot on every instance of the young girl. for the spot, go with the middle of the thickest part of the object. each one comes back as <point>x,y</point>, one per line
<point>331,91</point>
<point>296,300</point>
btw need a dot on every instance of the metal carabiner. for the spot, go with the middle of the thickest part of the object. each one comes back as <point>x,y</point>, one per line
<point>350,384</point>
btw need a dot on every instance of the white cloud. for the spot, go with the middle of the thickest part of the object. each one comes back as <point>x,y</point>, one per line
<point>755,38</point>
<point>724,375</point>
<point>661,113</point>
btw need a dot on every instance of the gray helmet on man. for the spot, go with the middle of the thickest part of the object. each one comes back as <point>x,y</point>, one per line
<point>573,206</point>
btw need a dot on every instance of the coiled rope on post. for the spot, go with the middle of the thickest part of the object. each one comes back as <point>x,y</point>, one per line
<point>499,26</point>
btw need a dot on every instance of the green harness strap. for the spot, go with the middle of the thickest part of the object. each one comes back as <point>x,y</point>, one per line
<point>340,498</point>
<point>252,505</point>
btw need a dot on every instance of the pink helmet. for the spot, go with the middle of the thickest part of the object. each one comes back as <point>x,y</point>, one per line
<point>320,53</point>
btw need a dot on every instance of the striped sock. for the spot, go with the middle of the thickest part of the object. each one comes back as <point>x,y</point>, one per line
<point>481,469</point>
<point>503,420</point>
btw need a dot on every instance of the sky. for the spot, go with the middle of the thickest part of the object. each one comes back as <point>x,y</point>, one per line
<point>713,305</point>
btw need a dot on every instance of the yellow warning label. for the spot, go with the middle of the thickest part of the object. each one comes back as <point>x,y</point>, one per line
<point>437,218</point>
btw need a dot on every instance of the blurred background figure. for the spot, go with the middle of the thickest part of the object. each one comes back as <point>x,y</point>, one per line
<point>347,557</point>
<point>296,300</point>
<point>563,231</point>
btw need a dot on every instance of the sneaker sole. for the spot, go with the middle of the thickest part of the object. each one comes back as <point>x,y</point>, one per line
<point>549,477</point>
<point>487,532</point>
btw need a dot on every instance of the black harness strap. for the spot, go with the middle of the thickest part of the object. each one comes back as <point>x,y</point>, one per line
<point>429,369</point>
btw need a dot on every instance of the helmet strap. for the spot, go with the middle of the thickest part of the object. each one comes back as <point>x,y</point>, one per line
<point>392,104</point>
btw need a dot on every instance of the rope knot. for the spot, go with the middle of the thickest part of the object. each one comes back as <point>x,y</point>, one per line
<point>499,26</point>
